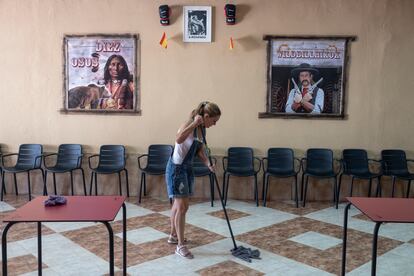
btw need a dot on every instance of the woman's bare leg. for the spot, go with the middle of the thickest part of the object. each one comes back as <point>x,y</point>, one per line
<point>172,219</point>
<point>181,210</point>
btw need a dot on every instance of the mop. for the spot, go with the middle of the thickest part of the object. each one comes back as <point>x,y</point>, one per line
<point>246,254</point>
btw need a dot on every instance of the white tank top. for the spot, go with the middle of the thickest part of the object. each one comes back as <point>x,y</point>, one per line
<point>181,150</point>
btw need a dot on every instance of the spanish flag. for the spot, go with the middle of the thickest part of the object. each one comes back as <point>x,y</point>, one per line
<point>163,41</point>
<point>231,45</point>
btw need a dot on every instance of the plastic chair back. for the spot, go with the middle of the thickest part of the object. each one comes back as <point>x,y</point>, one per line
<point>69,156</point>
<point>355,161</point>
<point>319,161</point>
<point>394,162</point>
<point>240,160</point>
<point>280,161</point>
<point>112,157</point>
<point>158,156</point>
<point>27,156</point>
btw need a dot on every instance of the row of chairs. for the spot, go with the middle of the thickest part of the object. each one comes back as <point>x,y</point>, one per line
<point>240,161</point>
<point>111,159</point>
<point>318,163</point>
<point>68,159</point>
<point>281,162</point>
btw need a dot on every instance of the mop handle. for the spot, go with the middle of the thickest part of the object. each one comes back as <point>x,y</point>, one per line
<point>203,133</point>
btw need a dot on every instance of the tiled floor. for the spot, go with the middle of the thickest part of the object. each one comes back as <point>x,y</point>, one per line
<point>303,241</point>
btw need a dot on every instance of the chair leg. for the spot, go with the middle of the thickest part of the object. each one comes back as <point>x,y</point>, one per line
<point>224,187</point>
<point>45,185</point>
<point>145,185</point>
<point>3,184</point>
<point>305,190</point>
<point>369,187</point>
<point>90,188</point>
<point>83,179</point>
<point>336,192</point>
<point>54,183</point>
<point>28,182</point>
<point>393,186</point>
<point>256,191</point>
<point>408,188</point>
<point>96,184</point>
<point>140,187</point>
<point>265,188</point>
<point>15,184</point>
<point>301,187</point>
<point>296,191</point>
<point>378,193</point>
<point>352,186</point>
<point>71,181</point>
<point>127,181</point>
<point>120,184</point>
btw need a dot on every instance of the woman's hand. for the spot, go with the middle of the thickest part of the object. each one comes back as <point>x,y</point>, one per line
<point>212,168</point>
<point>198,120</point>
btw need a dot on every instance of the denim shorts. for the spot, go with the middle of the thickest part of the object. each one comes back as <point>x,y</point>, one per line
<point>179,179</point>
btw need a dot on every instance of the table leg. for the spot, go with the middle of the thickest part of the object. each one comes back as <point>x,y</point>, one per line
<point>4,246</point>
<point>39,248</point>
<point>111,248</point>
<point>124,239</point>
<point>374,249</point>
<point>344,238</point>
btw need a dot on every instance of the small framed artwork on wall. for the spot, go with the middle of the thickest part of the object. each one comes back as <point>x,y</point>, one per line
<point>197,24</point>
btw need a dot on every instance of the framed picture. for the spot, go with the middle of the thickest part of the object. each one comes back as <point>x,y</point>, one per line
<point>197,24</point>
<point>101,73</point>
<point>306,76</point>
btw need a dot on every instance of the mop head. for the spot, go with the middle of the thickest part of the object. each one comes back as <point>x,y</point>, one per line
<point>246,254</point>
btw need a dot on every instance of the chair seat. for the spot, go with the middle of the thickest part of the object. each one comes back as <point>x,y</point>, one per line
<point>407,176</point>
<point>154,169</point>
<point>281,173</point>
<point>199,171</point>
<point>108,169</point>
<point>61,169</point>
<point>321,174</point>
<point>19,168</point>
<point>364,175</point>
<point>241,171</point>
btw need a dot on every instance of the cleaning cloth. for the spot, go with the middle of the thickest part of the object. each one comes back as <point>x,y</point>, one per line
<point>54,200</point>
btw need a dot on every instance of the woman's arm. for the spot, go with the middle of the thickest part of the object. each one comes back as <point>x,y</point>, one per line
<point>203,156</point>
<point>188,128</point>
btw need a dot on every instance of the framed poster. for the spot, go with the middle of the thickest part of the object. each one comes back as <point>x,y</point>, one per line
<point>101,73</point>
<point>197,24</point>
<point>306,76</point>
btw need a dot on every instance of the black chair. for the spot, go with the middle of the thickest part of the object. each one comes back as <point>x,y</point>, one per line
<point>280,162</point>
<point>1,171</point>
<point>240,162</point>
<point>355,164</point>
<point>157,158</point>
<point>112,160</point>
<point>200,170</point>
<point>29,158</point>
<point>68,159</point>
<point>319,164</point>
<point>394,164</point>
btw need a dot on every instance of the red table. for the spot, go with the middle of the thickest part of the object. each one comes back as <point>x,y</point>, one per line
<point>77,209</point>
<point>379,210</point>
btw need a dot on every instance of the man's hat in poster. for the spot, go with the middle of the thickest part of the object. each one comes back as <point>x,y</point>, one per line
<point>304,67</point>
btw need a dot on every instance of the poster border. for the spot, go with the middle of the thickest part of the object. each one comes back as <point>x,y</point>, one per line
<point>342,114</point>
<point>137,102</point>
